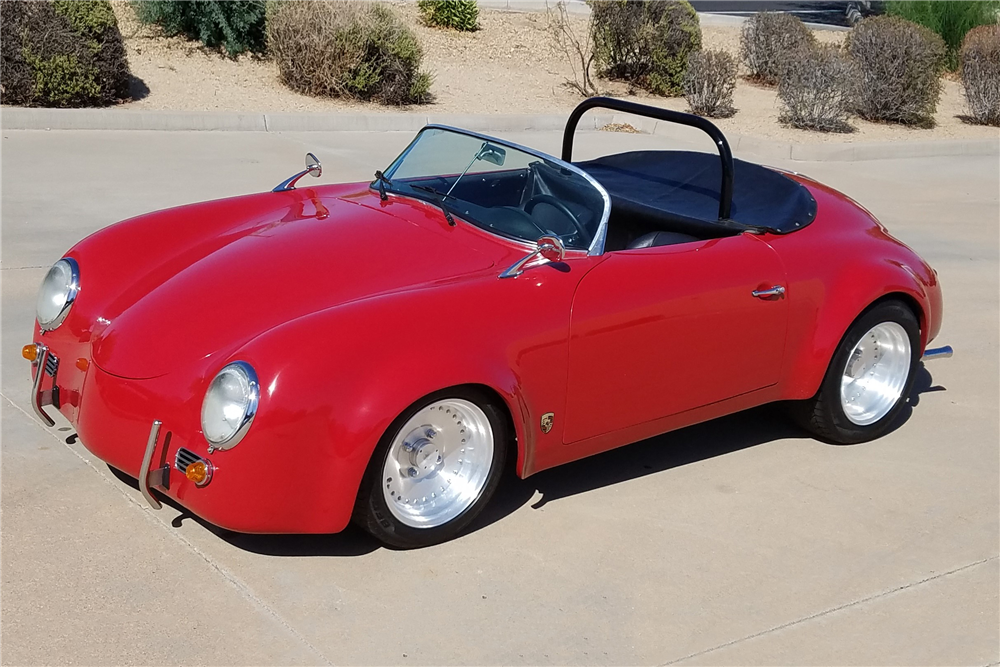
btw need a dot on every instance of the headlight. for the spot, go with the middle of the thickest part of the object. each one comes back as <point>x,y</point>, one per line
<point>230,405</point>
<point>57,293</point>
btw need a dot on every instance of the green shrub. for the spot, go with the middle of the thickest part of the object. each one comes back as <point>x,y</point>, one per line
<point>981,74</point>
<point>346,49</point>
<point>63,54</point>
<point>457,14</point>
<point>645,43</point>
<point>816,89</point>
<point>767,39</point>
<point>951,19</point>
<point>899,67</point>
<point>237,26</point>
<point>709,83</point>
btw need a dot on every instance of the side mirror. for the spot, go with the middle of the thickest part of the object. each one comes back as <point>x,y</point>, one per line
<point>550,248</point>
<point>313,166</point>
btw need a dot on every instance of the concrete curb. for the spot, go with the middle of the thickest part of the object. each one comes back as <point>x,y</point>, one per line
<point>16,118</point>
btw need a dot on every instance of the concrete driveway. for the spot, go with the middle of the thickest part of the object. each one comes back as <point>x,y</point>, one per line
<point>739,541</point>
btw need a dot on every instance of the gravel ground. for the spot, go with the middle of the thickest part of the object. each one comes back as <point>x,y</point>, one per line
<point>509,66</point>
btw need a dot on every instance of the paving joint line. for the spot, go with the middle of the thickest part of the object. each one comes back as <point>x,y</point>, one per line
<point>242,587</point>
<point>820,614</point>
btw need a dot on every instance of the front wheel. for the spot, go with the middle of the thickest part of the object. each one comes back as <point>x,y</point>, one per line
<point>869,377</point>
<point>434,470</point>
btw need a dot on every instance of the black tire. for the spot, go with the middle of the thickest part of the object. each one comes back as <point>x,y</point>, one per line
<point>371,511</point>
<point>823,415</point>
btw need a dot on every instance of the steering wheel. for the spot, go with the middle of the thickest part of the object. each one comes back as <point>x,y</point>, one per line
<point>558,205</point>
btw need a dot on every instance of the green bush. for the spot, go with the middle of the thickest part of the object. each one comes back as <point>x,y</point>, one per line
<point>457,14</point>
<point>237,26</point>
<point>767,39</point>
<point>951,19</point>
<point>899,67</point>
<point>981,74</point>
<point>645,43</point>
<point>346,49</point>
<point>65,54</point>
<point>709,83</point>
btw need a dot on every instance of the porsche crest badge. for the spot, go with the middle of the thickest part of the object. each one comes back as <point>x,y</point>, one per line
<point>547,421</point>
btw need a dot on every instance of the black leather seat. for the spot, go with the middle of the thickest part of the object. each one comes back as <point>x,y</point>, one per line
<point>653,239</point>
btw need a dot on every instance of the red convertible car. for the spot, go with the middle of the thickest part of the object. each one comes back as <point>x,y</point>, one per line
<point>288,362</point>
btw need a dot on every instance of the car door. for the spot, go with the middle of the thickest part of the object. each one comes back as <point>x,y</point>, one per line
<point>658,331</point>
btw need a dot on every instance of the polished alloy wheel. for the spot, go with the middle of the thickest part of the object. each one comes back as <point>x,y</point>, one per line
<point>438,463</point>
<point>875,373</point>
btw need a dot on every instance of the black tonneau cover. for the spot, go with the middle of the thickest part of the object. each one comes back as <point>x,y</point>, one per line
<point>683,186</point>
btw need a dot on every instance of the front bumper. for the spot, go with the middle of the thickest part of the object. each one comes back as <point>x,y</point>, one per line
<point>255,487</point>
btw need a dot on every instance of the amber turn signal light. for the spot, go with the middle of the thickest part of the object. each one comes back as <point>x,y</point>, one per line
<point>199,472</point>
<point>82,364</point>
<point>30,352</point>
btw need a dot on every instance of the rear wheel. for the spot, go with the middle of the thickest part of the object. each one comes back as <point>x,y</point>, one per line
<point>434,470</point>
<point>869,378</point>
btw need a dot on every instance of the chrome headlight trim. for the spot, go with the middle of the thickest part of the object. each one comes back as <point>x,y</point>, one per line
<point>249,410</point>
<point>72,290</point>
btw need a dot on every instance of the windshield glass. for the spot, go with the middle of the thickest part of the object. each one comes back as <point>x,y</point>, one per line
<point>499,187</point>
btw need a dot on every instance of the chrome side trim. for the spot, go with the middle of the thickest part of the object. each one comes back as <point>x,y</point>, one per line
<point>937,353</point>
<point>597,244</point>
<point>147,459</point>
<point>74,290</point>
<point>37,398</point>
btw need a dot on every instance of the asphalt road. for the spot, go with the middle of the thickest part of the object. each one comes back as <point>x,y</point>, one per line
<point>740,541</point>
<point>813,11</point>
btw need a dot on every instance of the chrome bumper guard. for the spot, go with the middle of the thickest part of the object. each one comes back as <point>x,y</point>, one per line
<point>937,353</point>
<point>157,478</point>
<point>40,398</point>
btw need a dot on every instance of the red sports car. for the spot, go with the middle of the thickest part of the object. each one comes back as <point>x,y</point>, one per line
<point>289,361</point>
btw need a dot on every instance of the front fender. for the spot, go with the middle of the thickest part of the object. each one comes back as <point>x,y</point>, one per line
<point>335,380</point>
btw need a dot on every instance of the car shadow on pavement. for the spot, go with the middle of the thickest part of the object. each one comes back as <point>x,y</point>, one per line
<point>655,455</point>
<point>663,452</point>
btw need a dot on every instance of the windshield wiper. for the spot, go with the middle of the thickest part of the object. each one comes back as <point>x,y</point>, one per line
<point>383,181</point>
<point>439,198</point>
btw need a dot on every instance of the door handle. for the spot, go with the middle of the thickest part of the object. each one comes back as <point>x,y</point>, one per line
<point>777,290</point>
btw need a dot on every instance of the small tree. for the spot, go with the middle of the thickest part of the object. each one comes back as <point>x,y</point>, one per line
<point>234,25</point>
<point>578,49</point>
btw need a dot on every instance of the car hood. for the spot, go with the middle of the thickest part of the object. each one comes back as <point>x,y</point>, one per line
<point>209,298</point>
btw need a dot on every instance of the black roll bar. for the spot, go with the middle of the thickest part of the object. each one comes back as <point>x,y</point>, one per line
<point>709,128</point>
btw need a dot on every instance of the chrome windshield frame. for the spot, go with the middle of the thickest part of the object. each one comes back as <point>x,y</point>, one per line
<point>600,235</point>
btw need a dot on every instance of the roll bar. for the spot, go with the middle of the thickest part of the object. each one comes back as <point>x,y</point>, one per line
<point>709,128</point>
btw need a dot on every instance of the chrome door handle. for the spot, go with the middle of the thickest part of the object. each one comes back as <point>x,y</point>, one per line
<point>777,290</point>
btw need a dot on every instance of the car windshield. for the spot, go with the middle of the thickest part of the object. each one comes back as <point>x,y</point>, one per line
<point>501,187</point>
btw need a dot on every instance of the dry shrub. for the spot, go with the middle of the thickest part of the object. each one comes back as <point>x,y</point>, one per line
<point>981,74</point>
<point>767,40</point>
<point>899,65</point>
<point>817,90</point>
<point>645,43</point>
<point>578,49</point>
<point>709,83</point>
<point>346,49</point>
<point>61,54</point>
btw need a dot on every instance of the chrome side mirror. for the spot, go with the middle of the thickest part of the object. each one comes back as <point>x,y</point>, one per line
<point>313,168</point>
<point>550,248</point>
